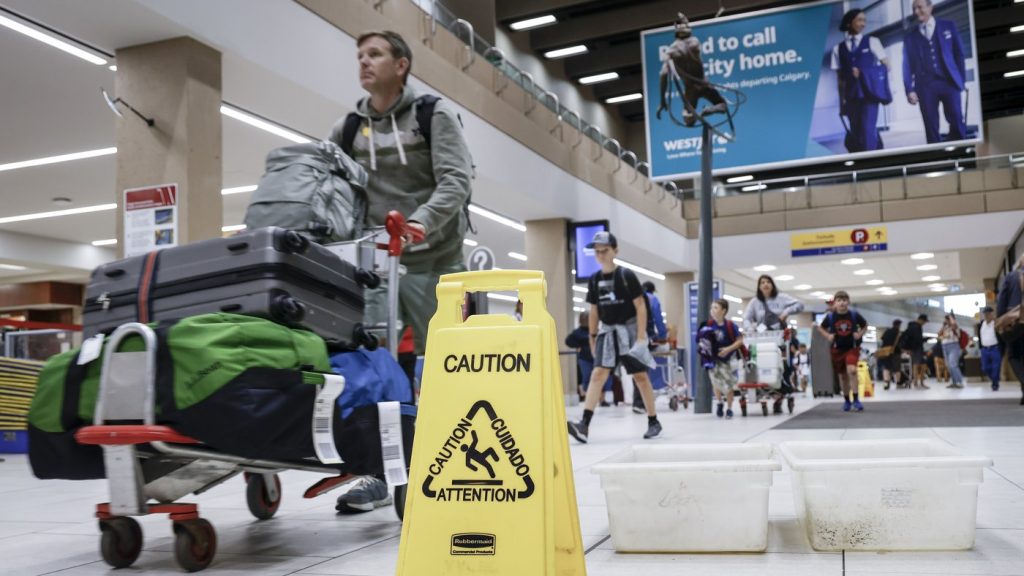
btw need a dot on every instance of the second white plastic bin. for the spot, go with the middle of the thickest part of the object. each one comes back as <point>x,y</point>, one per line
<point>885,494</point>
<point>689,497</point>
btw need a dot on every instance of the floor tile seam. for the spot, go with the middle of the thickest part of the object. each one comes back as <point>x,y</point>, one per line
<point>361,548</point>
<point>69,568</point>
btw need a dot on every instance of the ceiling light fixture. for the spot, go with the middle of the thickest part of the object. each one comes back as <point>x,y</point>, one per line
<point>753,188</point>
<point>940,289</point>
<point>922,256</point>
<point>51,40</point>
<point>12,267</point>
<point>883,289</point>
<point>1017,28</point>
<point>496,217</point>
<point>803,287</point>
<point>930,278</point>
<point>58,159</point>
<point>875,282</point>
<point>502,297</point>
<point>848,163</point>
<point>927,267</point>
<point>579,289</point>
<point>784,278</point>
<point>1013,74</point>
<point>108,242</point>
<point>469,242</point>
<point>234,228</point>
<point>565,52</point>
<point>517,256</point>
<point>733,299</point>
<point>639,269</point>
<point>578,300</point>
<point>56,213</point>
<point>624,98</point>
<point>238,190</point>
<point>852,261</point>
<point>596,78</point>
<point>531,23</point>
<point>266,126</point>
<point>764,268</point>
<point>937,285</point>
<point>738,179</point>
<point>863,272</point>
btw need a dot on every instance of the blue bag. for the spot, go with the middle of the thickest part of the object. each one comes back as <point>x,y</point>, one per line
<point>370,377</point>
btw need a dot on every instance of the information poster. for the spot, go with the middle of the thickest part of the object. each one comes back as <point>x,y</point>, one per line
<point>150,219</point>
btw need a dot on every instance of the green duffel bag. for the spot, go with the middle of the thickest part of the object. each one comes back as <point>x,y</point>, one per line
<point>234,382</point>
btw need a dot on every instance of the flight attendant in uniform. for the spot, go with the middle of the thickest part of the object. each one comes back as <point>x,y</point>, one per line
<point>934,71</point>
<point>850,58</point>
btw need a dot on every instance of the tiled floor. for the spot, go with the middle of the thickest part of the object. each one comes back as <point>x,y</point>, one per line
<point>46,527</point>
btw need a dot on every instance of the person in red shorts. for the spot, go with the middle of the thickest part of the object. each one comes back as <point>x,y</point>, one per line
<point>844,328</point>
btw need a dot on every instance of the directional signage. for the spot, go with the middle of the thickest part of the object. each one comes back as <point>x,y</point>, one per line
<point>845,241</point>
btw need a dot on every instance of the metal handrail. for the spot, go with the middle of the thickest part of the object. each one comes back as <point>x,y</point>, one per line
<point>618,153</point>
<point>600,139</point>
<point>433,20</point>
<point>636,173</point>
<point>471,45</point>
<point>664,188</point>
<point>647,182</point>
<point>530,94</point>
<point>558,106</point>
<point>579,125</point>
<point>498,73</point>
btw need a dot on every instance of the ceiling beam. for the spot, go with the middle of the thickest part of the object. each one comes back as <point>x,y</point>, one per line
<point>622,20</point>
<point>603,59</point>
<point>519,9</point>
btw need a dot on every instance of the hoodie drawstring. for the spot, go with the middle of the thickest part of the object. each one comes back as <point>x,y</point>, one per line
<point>398,140</point>
<point>373,148</point>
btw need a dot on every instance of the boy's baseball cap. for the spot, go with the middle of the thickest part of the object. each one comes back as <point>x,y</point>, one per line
<point>606,238</point>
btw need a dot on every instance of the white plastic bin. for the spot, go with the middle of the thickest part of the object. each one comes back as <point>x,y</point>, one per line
<point>689,498</point>
<point>885,494</point>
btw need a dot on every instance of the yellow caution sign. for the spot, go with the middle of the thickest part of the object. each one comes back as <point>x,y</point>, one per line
<point>491,483</point>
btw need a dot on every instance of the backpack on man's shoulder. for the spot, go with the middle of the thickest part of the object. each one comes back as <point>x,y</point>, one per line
<point>965,339</point>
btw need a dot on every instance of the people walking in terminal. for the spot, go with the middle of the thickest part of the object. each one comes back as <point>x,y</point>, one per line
<point>845,328</point>
<point>888,353</point>
<point>427,180</point>
<point>618,314</point>
<point>851,58</point>
<point>913,343</point>
<point>934,71</point>
<point>802,367</point>
<point>770,311</point>
<point>721,373</point>
<point>656,332</point>
<point>579,340</point>
<point>949,335</point>
<point>1010,296</point>
<point>938,357</point>
<point>991,347</point>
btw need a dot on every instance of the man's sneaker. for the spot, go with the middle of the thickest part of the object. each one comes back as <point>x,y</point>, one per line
<point>846,405</point>
<point>366,494</point>
<point>728,413</point>
<point>639,409</point>
<point>719,412</point>
<point>858,406</point>
<point>578,430</point>
<point>653,430</point>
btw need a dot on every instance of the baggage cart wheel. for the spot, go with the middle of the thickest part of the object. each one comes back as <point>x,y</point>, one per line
<point>790,402</point>
<point>673,404</point>
<point>400,493</point>
<point>262,506</point>
<point>764,407</point>
<point>686,402</point>
<point>120,541</point>
<point>743,406</point>
<point>195,544</point>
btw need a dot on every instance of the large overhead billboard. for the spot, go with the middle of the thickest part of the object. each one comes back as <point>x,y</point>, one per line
<point>826,81</point>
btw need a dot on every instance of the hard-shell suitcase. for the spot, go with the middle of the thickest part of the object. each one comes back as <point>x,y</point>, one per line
<point>269,272</point>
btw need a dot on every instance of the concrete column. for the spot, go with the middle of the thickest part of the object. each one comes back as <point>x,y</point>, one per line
<point>176,82</point>
<point>673,301</point>
<point>547,250</point>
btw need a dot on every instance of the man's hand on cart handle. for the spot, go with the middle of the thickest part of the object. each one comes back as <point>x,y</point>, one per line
<point>402,233</point>
<point>414,232</point>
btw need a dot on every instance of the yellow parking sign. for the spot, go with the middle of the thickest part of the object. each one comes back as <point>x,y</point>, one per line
<point>491,483</point>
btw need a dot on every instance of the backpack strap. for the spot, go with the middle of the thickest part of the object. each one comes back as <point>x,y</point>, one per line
<point>348,131</point>
<point>425,105</point>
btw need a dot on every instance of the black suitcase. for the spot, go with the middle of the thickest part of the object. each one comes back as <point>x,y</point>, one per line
<point>269,272</point>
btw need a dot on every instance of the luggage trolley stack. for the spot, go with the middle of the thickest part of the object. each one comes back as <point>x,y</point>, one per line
<point>764,373</point>
<point>674,377</point>
<point>149,462</point>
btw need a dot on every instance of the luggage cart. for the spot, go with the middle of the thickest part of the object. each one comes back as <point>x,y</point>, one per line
<point>677,390</point>
<point>763,375</point>
<point>149,467</point>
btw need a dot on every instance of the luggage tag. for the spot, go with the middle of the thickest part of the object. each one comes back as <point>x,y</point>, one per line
<point>323,419</point>
<point>391,446</point>
<point>91,349</point>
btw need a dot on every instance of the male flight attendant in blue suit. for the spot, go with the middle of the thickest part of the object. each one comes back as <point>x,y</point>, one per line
<point>934,71</point>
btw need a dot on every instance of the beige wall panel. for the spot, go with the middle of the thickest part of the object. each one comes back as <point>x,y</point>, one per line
<point>921,186</point>
<point>933,207</point>
<point>774,201</point>
<point>866,192</point>
<point>833,216</point>
<point>892,189</point>
<point>998,179</point>
<point>737,205</point>
<point>691,209</point>
<point>799,199</point>
<point>1004,200</point>
<point>835,195</point>
<point>749,224</point>
<point>972,181</point>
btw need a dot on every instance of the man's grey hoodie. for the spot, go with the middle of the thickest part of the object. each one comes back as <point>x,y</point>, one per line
<point>428,184</point>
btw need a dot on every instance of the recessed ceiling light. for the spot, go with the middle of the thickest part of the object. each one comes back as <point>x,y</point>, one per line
<point>802,287</point>
<point>848,163</point>
<point>852,261</point>
<point>1017,28</point>
<point>112,68</point>
<point>930,278</point>
<point>738,179</point>
<point>863,272</point>
<point>262,124</point>
<point>1013,74</point>
<point>764,268</point>
<point>496,217</point>
<point>937,285</point>
<point>624,98</point>
<point>517,256</point>
<point>568,51</point>
<point>596,78</point>
<point>578,300</point>
<point>733,299</point>
<point>470,242</point>
<point>108,242</point>
<point>890,293</point>
<point>58,159</point>
<point>639,269</point>
<point>940,289</point>
<point>579,289</point>
<point>883,289</point>
<point>875,282</point>
<point>533,22</point>
<point>238,190</point>
<point>818,293</point>
<point>12,267</point>
<point>927,267</point>
<point>754,187</point>
<point>502,297</point>
<point>50,40</point>
<point>235,228</point>
<point>784,278</point>
<point>922,256</point>
<point>55,213</point>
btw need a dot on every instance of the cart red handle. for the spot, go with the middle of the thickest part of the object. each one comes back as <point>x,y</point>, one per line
<point>397,228</point>
<point>130,434</point>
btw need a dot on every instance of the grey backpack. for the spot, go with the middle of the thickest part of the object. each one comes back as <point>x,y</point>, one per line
<point>314,189</point>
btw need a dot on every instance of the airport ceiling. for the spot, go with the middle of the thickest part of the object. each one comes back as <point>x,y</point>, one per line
<point>611,31</point>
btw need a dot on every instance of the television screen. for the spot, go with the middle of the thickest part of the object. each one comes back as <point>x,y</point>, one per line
<point>580,234</point>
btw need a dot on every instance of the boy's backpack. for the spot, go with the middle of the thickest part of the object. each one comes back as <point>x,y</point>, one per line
<point>314,189</point>
<point>730,329</point>
<point>652,329</point>
<point>965,340</point>
<point>424,105</point>
<point>832,320</point>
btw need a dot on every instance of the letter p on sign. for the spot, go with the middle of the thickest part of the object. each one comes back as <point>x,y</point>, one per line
<point>859,236</point>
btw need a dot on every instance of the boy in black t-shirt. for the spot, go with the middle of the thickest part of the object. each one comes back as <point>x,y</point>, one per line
<point>616,300</point>
<point>844,328</point>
